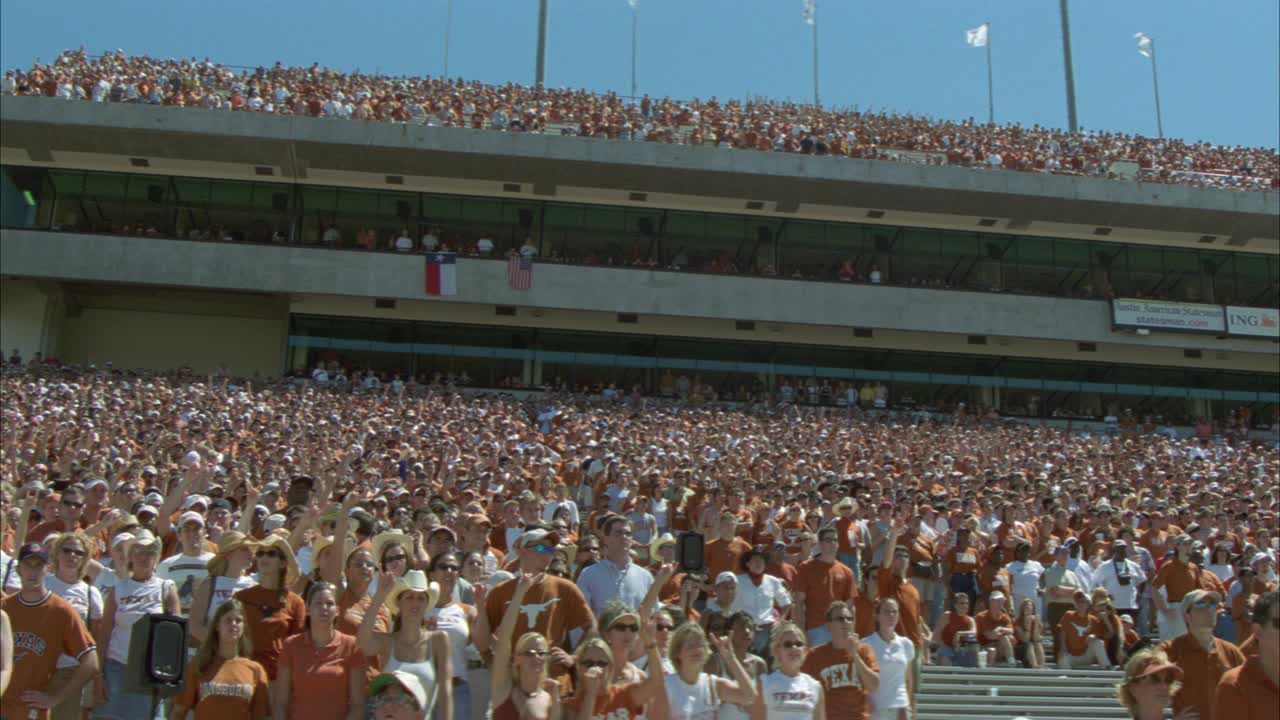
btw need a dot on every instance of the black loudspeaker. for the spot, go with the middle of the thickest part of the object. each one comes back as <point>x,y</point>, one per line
<point>155,193</point>
<point>526,218</point>
<point>402,208</point>
<point>882,243</point>
<point>764,234</point>
<point>690,552</point>
<point>280,202</point>
<point>157,655</point>
<point>645,226</point>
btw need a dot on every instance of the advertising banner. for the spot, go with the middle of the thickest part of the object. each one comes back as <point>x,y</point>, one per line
<point>1165,315</point>
<point>1253,322</point>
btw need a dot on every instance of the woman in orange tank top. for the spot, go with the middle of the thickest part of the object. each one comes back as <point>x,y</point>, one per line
<point>956,623</point>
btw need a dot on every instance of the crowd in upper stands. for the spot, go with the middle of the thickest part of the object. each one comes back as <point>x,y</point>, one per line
<point>761,125</point>
<point>506,542</point>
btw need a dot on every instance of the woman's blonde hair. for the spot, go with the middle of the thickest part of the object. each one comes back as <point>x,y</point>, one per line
<point>208,651</point>
<point>521,646</point>
<point>592,641</point>
<point>1140,661</point>
<point>681,636</point>
<point>65,539</point>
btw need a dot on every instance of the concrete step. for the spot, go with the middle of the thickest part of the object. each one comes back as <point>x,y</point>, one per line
<point>931,715</point>
<point>1031,710</point>
<point>1047,697</point>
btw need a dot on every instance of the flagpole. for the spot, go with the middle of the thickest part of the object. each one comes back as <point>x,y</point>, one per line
<point>1155,84</point>
<point>991,99</point>
<point>815,54</point>
<point>634,12</point>
<point>448,27</point>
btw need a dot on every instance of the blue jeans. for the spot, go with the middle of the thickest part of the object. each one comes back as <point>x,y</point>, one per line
<point>461,703</point>
<point>854,563</point>
<point>121,705</point>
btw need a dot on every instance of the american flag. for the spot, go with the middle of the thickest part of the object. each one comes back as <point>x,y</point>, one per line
<point>520,272</point>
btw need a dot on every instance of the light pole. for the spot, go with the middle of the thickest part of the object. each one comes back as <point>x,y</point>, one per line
<point>540,67</point>
<point>1066,63</point>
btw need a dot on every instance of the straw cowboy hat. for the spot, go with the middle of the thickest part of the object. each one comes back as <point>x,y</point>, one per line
<point>414,581</point>
<point>658,542</point>
<point>391,537</point>
<point>280,544</point>
<point>229,542</point>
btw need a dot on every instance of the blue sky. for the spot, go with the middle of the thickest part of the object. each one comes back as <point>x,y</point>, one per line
<point>1219,62</point>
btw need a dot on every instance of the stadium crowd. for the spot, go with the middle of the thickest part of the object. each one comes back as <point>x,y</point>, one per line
<point>758,125</point>
<point>351,555</point>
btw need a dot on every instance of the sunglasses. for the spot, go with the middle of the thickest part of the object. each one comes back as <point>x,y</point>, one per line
<point>669,628</point>
<point>448,568</point>
<point>793,644</point>
<point>543,548</point>
<point>842,619</point>
<point>625,627</point>
<point>540,654</point>
<point>73,552</point>
<point>269,554</point>
<point>588,664</point>
<point>395,558</point>
<point>72,504</point>
<point>1205,605</point>
<point>1160,678</point>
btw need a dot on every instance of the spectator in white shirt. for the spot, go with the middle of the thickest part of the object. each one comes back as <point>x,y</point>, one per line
<point>528,250</point>
<point>1024,576</point>
<point>762,596</point>
<point>484,246</point>
<point>1121,578</point>
<point>431,240</point>
<point>561,501</point>
<point>404,243</point>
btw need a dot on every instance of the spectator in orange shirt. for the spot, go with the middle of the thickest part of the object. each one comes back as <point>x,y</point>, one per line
<point>846,667</point>
<point>995,628</point>
<point>1204,659</point>
<point>820,581</point>
<point>724,552</point>
<point>1252,690</point>
<point>1080,637</point>
<point>222,682</point>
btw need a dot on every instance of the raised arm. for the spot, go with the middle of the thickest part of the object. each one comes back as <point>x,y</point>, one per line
<point>741,689</point>
<point>500,669</point>
<point>661,578</point>
<point>371,641</point>
<point>655,683</point>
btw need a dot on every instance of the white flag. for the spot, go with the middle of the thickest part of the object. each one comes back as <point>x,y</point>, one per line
<point>808,12</point>
<point>977,37</point>
<point>1144,44</point>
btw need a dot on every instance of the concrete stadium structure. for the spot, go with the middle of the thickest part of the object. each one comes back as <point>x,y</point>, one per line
<point>73,288</point>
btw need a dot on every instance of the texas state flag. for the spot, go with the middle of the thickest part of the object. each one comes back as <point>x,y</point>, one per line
<point>442,274</point>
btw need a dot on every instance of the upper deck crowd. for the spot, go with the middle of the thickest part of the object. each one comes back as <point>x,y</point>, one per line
<point>757,125</point>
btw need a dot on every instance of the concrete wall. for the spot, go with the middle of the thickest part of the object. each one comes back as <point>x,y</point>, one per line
<point>142,339</point>
<point>25,307</point>
<point>294,270</point>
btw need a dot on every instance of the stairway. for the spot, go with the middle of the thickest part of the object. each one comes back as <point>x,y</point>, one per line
<point>1003,693</point>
